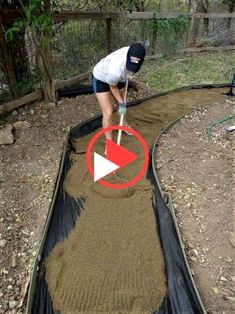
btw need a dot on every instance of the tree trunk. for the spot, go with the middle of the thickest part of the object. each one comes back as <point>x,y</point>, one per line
<point>205,7</point>
<point>194,27</point>
<point>7,63</point>
<point>48,85</point>
<point>45,63</point>
<point>17,47</point>
<point>153,39</point>
<point>14,59</point>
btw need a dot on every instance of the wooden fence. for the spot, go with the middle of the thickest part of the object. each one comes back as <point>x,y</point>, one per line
<point>8,15</point>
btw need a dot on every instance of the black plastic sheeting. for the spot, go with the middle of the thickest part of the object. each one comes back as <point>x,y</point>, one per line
<point>181,296</point>
<point>78,89</point>
<point>75,90</point>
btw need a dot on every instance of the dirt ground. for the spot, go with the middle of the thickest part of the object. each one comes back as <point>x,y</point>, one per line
<point>196,165</point>
<point>28,173</point>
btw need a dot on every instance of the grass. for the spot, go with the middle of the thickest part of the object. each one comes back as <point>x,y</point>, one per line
<point>167,73</point>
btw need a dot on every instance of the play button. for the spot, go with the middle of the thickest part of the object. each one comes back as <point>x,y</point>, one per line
<point>102,167</point>
<point>117,157</point>
<point>119,154</point>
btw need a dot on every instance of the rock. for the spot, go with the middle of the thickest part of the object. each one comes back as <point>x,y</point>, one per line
<point>3,243</point>
<point>6,136</point>
<point>31,111</point>
<point>4,306</point>
<point>232,238</point>
<point>50,105</point>
<point>14,113</point>
<point>12,304</point>
<point>13,264</point>
<point>13,282</point>
<point>21,125</point>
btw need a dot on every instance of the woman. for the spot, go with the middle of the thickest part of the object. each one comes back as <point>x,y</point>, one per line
<point>109,77</point>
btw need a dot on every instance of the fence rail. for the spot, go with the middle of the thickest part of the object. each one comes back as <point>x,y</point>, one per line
<point>65,16</point>
<point>9,15</point>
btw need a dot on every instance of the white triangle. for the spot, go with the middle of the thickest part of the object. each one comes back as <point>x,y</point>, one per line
<point>102,167</point>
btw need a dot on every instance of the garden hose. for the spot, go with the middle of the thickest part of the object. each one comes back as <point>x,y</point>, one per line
<point>217,122</point>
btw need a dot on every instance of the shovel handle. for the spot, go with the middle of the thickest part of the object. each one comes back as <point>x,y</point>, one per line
<point>122,117</point>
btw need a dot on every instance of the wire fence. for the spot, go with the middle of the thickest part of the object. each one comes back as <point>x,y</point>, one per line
<point>78,45</point>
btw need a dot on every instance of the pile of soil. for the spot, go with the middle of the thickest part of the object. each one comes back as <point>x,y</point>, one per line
<point>196,164</point>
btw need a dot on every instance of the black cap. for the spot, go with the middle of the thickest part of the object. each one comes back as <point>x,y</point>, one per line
<point>135,57</point>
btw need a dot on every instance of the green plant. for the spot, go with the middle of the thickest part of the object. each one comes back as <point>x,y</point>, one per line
<point>169,33</point>
<point>35,17</point>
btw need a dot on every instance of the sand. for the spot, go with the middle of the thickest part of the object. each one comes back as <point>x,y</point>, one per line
<point>112,261</point>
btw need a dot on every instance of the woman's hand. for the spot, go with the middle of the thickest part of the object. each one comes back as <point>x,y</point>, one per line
<point>122,108</point>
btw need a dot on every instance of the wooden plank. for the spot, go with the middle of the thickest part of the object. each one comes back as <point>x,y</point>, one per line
<point>156,15</point>
<point>139,15</point>
<point>69,82</point>
<point>215,15</point>
<point>9,106</point>
<point>16,103</point>
<point>153,15</point>
<point>65,16</point>
<point>10,15</point>
<point>201,49</point>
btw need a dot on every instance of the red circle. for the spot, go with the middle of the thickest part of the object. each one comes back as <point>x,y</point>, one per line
<point>141,172</point>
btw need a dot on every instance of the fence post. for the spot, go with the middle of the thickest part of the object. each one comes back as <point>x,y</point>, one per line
<point>154,37</point>
<point>109,34</point>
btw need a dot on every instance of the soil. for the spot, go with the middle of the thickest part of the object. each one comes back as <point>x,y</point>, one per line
<point>112,261</point>
<point>196,165</point>
<point>102,238</point>
<point>29,169</point>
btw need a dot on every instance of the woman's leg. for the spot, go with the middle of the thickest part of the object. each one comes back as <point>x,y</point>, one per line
<point>122,92</point>
<point>105,102</point>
